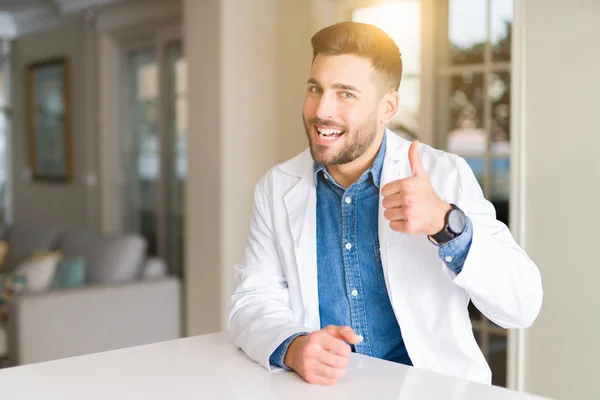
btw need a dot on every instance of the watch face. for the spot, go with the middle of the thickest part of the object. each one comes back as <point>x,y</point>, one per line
<point>457,221</point>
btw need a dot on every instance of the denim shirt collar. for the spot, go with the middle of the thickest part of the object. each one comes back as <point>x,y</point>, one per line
<point>374,170</point>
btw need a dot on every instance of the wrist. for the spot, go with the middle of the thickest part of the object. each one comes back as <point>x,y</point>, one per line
<point>441,218</point>
<point>455,222</point>
<point>290,355</point>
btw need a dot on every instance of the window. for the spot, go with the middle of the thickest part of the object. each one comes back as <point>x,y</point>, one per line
<point>455,95</point>
<point>155,146</point>
<point>4,110</point>
<point>402,21</point>
<point>473,89</point>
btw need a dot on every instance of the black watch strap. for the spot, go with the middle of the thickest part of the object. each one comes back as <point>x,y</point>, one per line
<point>447,234</point>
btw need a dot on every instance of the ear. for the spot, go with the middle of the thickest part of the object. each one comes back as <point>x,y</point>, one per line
<point>390,106</point>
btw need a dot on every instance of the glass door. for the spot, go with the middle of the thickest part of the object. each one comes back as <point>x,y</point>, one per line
<point>176,159</point>
<point>4,131</point>
<point>473,89</point>
<point>141,147</point>
<point>155,147</point>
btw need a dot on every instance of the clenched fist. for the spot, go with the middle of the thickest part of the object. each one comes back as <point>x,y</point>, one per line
<point>412,206</point>
<point>322,356</point>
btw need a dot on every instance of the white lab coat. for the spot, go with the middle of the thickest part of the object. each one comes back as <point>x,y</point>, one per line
<point>276,291</point>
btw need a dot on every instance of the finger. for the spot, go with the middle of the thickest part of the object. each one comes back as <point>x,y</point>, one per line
<point>398,200</point>
<point>394,187</point>
<point>326,371</point>
<point>346,333</point>
<point>333,360</point>
<point>415,160</point>
<point>396,214</point>
<point>404,226</point>
<point>343,332</point>
<point>335,344</point>
<point>319,380</point>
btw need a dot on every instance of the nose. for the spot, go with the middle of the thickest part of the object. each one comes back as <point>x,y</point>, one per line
<point>326,107</point>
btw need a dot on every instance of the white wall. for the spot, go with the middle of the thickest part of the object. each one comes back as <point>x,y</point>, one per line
<point>294,55</point>
<point>248,119</point>
<point>203,258</point>
<point>562,182</point>
<point>66,204</point>
<point>231,51</point>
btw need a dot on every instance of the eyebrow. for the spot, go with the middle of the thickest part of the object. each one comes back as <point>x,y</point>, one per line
<point>336,85</point>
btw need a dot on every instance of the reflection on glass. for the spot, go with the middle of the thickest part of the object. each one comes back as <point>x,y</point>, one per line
<point>406,120</point>
<point>142,146</point>
<point>177,137</point>
<point>477,335</point>
<point>466,135</point>
<point>477,164</point>
<point>500,187</point>
<point>3,103</point>
<point>467,30</point>
<point>496,358</point>
<point>501,28</point>
<point>401,20</point>
<point>499,94</point>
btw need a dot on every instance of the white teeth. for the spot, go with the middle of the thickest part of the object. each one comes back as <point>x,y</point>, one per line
<point>327,132</point>
<point>330,137</point>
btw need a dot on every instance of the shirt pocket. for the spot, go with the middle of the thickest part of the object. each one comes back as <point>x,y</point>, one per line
<point>379,267</point>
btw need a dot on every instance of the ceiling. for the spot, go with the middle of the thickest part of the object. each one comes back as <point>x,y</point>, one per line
<point>18,17</point>
<point>17,6</point>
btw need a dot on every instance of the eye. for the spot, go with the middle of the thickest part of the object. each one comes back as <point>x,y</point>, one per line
<point>347,95</point>
<point>314,89</point>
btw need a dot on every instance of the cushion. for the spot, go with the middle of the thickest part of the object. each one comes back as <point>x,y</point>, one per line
<point>39,272</point>
<point>25,239</point>
<point>3,251</point>
<point>37,255</point>
<point>70,273</point>
<point>10,286</point>
<point>154,268</point>
<point>3,340</point>
<point>109,259</point>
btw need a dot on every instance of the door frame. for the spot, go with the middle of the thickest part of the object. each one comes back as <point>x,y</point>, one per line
<point>113,47</point>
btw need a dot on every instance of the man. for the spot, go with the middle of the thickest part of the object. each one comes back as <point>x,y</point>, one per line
<point>366,242</point>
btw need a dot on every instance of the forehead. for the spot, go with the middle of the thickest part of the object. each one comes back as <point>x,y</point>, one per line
<point>346,69</point>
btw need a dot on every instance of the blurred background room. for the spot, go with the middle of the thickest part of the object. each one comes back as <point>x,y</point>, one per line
<point>132,133</point>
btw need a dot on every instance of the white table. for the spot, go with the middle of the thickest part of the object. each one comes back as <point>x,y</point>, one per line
<point>209,367</point>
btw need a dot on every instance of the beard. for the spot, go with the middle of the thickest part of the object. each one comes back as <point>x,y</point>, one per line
<point>357,141</point>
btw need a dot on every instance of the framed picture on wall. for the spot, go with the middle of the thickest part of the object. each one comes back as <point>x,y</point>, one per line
<point>49,120</point>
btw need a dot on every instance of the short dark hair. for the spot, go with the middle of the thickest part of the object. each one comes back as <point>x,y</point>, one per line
<point>362,40</point>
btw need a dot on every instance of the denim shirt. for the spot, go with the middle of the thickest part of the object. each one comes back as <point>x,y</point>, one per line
<point>351,285</point>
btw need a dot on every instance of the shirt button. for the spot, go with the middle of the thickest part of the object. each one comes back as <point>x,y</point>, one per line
<point>360,338</point>
<point>448,259</point>
<point>348,246</point>
<point>348,200</point>
<point>355,293</point>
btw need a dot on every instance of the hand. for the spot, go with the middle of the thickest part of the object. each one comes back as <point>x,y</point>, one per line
<point>322,356</point>
<point>412,206</point>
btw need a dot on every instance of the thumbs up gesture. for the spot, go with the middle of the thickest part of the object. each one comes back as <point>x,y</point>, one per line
<point>411,205</point>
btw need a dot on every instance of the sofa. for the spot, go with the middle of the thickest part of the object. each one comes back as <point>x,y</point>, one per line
<point>127,298</point>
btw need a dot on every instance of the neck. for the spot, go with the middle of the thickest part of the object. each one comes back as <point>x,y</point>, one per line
<point>347,174</point>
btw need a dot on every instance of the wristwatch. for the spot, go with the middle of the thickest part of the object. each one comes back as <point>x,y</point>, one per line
<point>455,224</point>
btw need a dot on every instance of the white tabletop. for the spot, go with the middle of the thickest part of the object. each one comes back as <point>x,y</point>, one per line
<point>210,367</point>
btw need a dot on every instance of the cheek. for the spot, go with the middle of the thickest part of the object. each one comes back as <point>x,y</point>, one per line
<point>309,107</point>
<point>354,117</point>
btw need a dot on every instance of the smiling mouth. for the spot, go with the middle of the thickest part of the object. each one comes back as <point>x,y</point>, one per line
<point>329,133</point>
